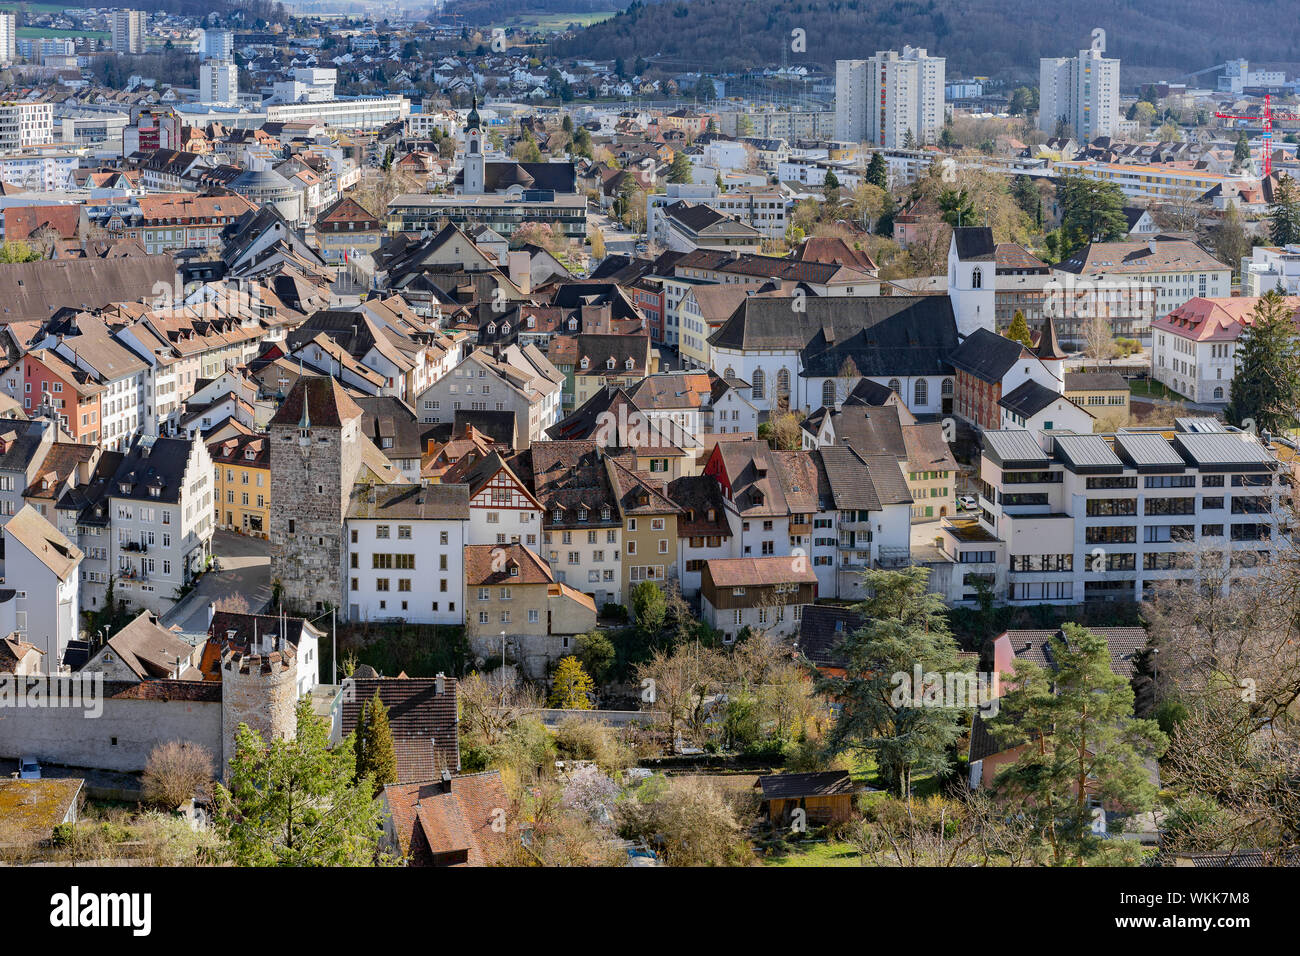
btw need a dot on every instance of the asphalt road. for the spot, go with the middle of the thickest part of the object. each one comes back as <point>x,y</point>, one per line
<point>245,571</point>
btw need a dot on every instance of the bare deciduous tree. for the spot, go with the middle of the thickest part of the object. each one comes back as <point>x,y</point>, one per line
<point>174,771</point>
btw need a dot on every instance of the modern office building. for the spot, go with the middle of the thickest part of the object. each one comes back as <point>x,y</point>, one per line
<point>219,83</point>
<point>8,38</point>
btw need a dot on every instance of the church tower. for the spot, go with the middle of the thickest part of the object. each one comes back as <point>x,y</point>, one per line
<point>473,178</point>
<point>1051,354</point>
<point>315,458</point>
<point>972,278</point>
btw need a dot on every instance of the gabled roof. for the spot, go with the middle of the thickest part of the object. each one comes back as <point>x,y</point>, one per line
<point>148,649</point>
<point>792,786</point>
<point>326,402</point>
<point>822,628</point>
<point>975,243</point>
<point>987,355</point>
<point>451,822</point>
<point>759,572</point>
<point>422,714</point>
<point>45,542</point>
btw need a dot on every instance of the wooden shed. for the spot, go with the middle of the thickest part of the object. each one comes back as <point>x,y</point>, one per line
<point>825,797</point>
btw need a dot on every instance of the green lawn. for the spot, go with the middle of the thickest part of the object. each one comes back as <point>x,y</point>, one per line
<point>551,21</point>
<point>42,33</point>
<point>1152,389</point>
<point>821,853</point>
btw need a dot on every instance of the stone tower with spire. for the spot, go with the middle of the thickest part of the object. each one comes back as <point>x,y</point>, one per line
<point>473,184</point>
<point>315,458</point>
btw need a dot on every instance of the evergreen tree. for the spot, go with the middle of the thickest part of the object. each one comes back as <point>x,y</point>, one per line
<point>296,802</point>
<point>1091,211</point>
<point>376,756</point>
<point>909,140</point>
<point>571,685</point>
<point>1284,212</point>
<point>680,171</point>
<point>878,172</point>
<point>1266,385</point>
<point>906,628</point>
<point>1019,330</point>
<point>1081,741</point>
<point>1241,152</point>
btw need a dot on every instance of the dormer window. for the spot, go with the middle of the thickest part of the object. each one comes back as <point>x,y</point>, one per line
<point>629,364</point>
<point>124,488</point>
<point>713,514</point>
<point>584,363</point>
<point>582,514</point>
<point>610,363</point>
<point>557,514</point>
<point>604,514</point>
<point>492,328</point>
<point>514,570</point>
<point>505,328</point>
<point>573,325</point>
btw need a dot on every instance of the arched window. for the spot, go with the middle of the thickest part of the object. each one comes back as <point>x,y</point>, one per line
<point>730,373</point>
<point>921,392</point>
<point>946,388</point>
<point>1218,392</point>
<point>895,385</point>
<point>976,278</point>
<point>759,382</point>
<point>828,392</point>
<point>783,382</point>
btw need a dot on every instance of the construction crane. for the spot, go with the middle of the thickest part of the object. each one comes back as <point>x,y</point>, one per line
<point>1268,118</point>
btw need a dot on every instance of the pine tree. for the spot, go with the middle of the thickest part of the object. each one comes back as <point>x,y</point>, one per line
<point>878,172</point>
<point>1081,741</point>
<point>1019,330</point>
<point>909,140</point>
<point>1241,152</point>
<point>374,745</point>
<point>1266,386</point>
<point>680,171</point>
<point>296,802</point>
<point>906,628</point>
<point>1284,212</point>
<point>571,685</point>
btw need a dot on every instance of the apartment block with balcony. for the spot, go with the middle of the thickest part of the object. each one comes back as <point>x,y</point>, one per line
<point>1067,518</point>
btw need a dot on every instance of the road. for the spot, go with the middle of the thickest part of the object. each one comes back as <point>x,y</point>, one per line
<point>245,572</point>
<point>617,239</point>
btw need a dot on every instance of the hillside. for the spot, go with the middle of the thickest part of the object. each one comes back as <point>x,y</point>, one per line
<point>999,38</point>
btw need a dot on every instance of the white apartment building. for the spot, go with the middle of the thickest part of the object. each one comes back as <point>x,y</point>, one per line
<point>881,99</point>
<point>1070,518</point>
<point>1156,183</point>
<point>23,125</point>
<point>8,38</point>
<point>128,31</point>
<point>42,567</point>
<point>1194,347</point>
<point>1083,90</point>
<point>307,86</point>
<point>160,512</point>
<point>406,546</point>
<point>219,83</point>
<point>763,209</point>
<point>216,44</point>
<point>1271,267</point>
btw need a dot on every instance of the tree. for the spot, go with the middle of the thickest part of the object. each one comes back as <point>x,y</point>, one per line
<point>175,771</point>
<point>526,150</point>
<point>597,654</point>
<point>1081,741</point>
<point>649,606</point>
<point>1027,197</point>
<point>1169,132</point>
<point>1231,244</point>
<point>1283,213</point>
<point>571,685</point>
<point>1266,384</point>
<point>906,628</point>
<point>878,172</point>
<point>1091,211</point>
<point>1241,152</point>
<point>14,250</point>
<point>1098,339</point>
<point>680,170</point>
<point>296,802</point>
<point>705,90</point>
<point>692,820</point>
<point>1024,99</point>
<point>831,187</point>
<point>956,208</point>
<point>376,756</point>
<point>598,244</point>
<point>909,140</point>
<point>1019,330</point>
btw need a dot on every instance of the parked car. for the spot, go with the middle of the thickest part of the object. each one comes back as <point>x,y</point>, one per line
<point>967,502</point>
<point>29,768</point>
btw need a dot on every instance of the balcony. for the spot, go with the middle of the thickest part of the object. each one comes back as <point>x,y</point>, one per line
<point>138,547</point>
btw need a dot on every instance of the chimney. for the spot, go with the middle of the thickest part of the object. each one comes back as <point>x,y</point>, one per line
<point>212,610</point>
<point>1151,244</point>
<point>440,684</point>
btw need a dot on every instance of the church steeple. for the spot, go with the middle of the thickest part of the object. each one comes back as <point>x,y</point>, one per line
<point>1049,347</point>
<point>472,121</point>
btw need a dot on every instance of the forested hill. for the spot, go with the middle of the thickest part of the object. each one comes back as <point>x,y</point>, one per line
<point>978,37</point>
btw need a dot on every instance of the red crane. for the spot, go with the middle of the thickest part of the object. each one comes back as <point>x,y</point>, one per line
<point>1268,118</point>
